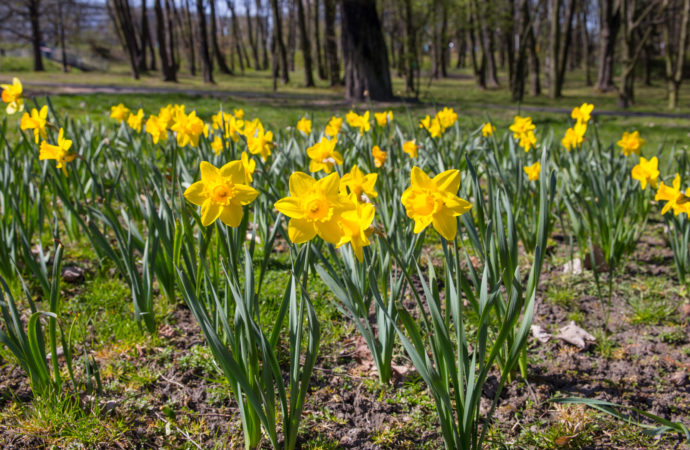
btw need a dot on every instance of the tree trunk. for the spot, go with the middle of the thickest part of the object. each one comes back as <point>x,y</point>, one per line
<point>674,63</point>
<point>34,7</point>
<point>61,23</point>
<point>586,47</point>
<point>366,58</point>
<point>321,68</point>
<point>236,35</point>
<point>518,70</point>
<point>278,30</point>
<point>164,48</point>
<point>250,32</point>
<point>217,54</point>
<point>261,32</point>
<point>306,45</point>
<point>487,41</point>
<point>331,44</point>
<point>125,30</point>
<point>145,37</point>
<point>534,66</point>
<point>564,51</point>
<point>191,47</point>
<point>206,64</point>
<point>478,67</point>
<point>608,29</point>
<point>292,36</point>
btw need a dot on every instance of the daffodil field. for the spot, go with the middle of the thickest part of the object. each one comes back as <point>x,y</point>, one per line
<point>431,240</point>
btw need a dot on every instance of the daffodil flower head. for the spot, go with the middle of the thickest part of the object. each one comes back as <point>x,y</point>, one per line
<point>573,138</point>
<point>582,113</point>
<point>324,156</point>
<point>488,129</point>
<point>333,126</point>
<point>631,143</point>
<point>221,193</point>
<point>411,148</point>
<point>674,197</point>
<point>304,125</point>
<point>13,95</point>
<point>646,172</point>
<point>447,118</point>
<point>359,184</point>
<point>60,152</point>
<point>355,226</point>
<point>135,120</point>
<point>217,145</point>
<point>383,118</point>
<point>261,143</point>
<point>379,156</point>
<point>435,201</point>
<point>36,121</point>
<point>249,166</point>
<point>188,128</point>
<point>533,171</point>
<point>119,112</point>
<point>314,208</point>
<point>157,128</point>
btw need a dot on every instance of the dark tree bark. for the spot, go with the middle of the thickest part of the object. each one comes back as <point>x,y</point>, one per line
<point>366,58</point>
<point>331,44</point>
<point>250,32</point>
<point>610,20</point>
<point>586,56</point>
<point>534,66</point>
<point>411,65</point>
<point>478,68</point>
<point>206,64</point>
<point>487,43</point>
<point>558,53</point>
<point>145,37</point>
<point>278,36</point>
<point>164,47</point>
<point>292,35</point>
<point>217,53</point>
<point>317,43</point>
<point>306,45</point>
<point>173,50</point>
<point>61,24</point>
<point>674,52</point>
<point>236,35</point>
<point>34,10</point>
<point>124,25</point>
<point>261,34</point>
<point>519,69</point>
<point>191,47</point>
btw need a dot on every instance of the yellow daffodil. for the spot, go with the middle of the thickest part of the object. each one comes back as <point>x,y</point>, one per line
<point>238,113</point>
<point>646,172</point>
<point>119,112</point>
<point>673,197</point>
<point>324,156</point>
<point>383,118</point>
<point>166,116</point>
<point>217,145</point>
<point>13,95</point>
<point>355,226</point>
<point>251,127</point>
<point>411,148</point>
<point>435,201</point>
<point>447,118</point>
<point>36,121</point>
<point>354,120</point>
<point>359,184</point>
<point>157,128</point>
<point>135,120</point>
<point>523,131</point>
<point>575,136</point>
<point>188,128</point>
<point>60,152</point>
<point>631,143</point>
<point>379,156</point>
<point>582,113</point>
<point>533,171</point>
<point>261,143</point>
<point>488,129</point>
<point>230,125</point>
<point>333,126</point>
<point>314,208</point>
<point>304,125</point>
<point>221,193</point>
<point>433,126</point>
<point>249,166</point>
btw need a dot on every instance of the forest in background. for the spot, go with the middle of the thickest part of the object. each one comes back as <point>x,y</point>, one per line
<point>360,43</point>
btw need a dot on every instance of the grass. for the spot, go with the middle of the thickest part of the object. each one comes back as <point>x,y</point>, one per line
<point>253,92</point>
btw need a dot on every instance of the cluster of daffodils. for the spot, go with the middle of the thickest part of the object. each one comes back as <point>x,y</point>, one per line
<point>523,132</point>
<point>438,125</point>
<point>361,122</point>
<point>575,135</point>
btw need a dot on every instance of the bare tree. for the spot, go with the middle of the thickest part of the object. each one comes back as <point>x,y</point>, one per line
<point>206,63</point>
<point>164,45</point>
<point>675,31</point>
<point>331,44</point>
<point>306,45</point>
<point>609,24</point>
<point>280,47</point>
<point>124,24</point>
<point>217,53</point>
<point>317,42</point>
<point>559,45</point>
